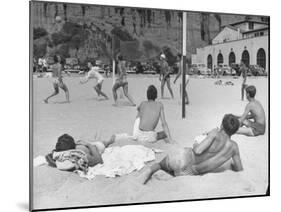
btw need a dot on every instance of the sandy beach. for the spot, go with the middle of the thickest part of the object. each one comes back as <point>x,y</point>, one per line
<point>86,116</point>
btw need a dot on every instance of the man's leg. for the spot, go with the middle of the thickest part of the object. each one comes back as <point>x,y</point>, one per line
<point>169,87</point>
<point>110,141</point>
<point>99,86</point>
<point>65,89</point>
<point>114,89</point>
<point>162,87</point>
<point>56,91</point>
<point>126,93</point>
<point>245,131</point>
<point>186,98</point>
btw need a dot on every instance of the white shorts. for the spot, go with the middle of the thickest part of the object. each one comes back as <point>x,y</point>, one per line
<point>143,136</point>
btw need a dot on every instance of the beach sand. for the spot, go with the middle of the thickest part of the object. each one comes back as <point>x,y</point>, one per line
<point>86,117</point>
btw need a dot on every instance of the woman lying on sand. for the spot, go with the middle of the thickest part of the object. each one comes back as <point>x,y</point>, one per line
<point>214,151</point>
<point>70,155</point>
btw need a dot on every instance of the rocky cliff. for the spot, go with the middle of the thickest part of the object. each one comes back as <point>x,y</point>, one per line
<point>149,27</point>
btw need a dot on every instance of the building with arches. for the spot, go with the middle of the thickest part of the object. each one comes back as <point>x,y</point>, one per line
<point>245,40</point>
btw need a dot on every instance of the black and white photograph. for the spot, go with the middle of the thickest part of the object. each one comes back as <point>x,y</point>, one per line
<point>135,105</point>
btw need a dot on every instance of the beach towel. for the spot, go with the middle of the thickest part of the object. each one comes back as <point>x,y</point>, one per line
<point>143,136</point>
<point>118,161</point>
<point>71,160</point>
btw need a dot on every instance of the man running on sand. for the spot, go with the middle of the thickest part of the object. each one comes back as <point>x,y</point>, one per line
<point>253,119</point>
<point>94,73</point>
<point>165,75</point>
<point>179,64</point>
<point>243,70</point>
<point>57,79</point>
<point>121,81</point>
<point>149,113</point>
<point>208,156</point>
<point>70,155</point>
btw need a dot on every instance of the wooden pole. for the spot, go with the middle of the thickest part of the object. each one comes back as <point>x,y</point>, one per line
<point>184,36</point>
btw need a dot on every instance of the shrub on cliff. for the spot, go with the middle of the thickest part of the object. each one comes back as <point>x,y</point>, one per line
<point>39,32</point>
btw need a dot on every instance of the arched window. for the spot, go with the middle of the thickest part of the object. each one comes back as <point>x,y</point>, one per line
<point>220,58</point>
<point>231,58</point>
<point>246,57</point>
<point>261,58</point>
<point>210,62</point>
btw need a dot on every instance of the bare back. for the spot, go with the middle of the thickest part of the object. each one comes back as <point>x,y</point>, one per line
<point>149,113</point>
<point>257,111</point>
<point>216,146</point>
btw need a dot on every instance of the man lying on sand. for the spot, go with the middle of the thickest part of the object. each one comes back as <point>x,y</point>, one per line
<point>214,151</point>
<point>253,119</point>
<point>70,155</point>
<point>149,113</point>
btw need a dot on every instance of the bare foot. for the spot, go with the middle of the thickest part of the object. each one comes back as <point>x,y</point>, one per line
<point>45,101</point>
<point>112,139</point>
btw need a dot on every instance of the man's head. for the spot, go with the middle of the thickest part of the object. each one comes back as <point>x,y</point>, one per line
<point>65,142</point>
<point>151,93</point>
<point>251,91</point>
<point>162,57</point>
<point>120,57</point>
<point>230,124</point>
<point>56,58</point>
<point>90,64</point>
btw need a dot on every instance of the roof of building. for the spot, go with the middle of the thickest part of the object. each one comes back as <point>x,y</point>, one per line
<point>227,26</point>
<point>247,21</point>
<point>255,30</point>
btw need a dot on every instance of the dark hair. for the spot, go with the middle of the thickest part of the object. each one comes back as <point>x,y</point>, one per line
<point>251,90</point>
<point>120,57</point>
<point>230,124</point>
<point>151,92</point>
<point>65,142</point>
<point>56,58</point>
<point>179,55</point>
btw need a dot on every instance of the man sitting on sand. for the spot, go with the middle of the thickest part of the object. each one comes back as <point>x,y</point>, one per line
<point>253,119</point>
<point>149,113</point>
<point>214,151</point>
<point>70,155</point>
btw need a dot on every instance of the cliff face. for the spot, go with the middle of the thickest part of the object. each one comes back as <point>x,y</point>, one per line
<point>159,27</point>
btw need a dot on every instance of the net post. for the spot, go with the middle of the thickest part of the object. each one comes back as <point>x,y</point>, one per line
<point>184,36</point>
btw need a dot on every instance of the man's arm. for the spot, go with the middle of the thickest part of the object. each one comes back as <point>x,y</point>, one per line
<point>237,164</point>
<point>245,114</point>
<point>199,148</point>
<point>164,123</point>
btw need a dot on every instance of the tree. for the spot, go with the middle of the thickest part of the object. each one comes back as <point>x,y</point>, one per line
<point>39,32</point>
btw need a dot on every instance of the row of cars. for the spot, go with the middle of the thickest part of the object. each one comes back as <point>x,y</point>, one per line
<point>224,69</point>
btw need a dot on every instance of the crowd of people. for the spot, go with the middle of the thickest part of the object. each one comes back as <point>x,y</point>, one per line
<point>215,150</point>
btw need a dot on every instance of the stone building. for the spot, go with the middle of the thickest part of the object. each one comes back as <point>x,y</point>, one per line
<point>245,40</point>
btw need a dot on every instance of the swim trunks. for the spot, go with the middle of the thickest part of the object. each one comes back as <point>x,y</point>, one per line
<point>143,136</point>
<point>179,161</point>
<point>257,128</point>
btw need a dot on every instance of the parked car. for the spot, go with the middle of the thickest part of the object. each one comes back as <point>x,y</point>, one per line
<point>236,67</point>
<point>200,69</point>
<point>225,69</point>
<point>257,70</point>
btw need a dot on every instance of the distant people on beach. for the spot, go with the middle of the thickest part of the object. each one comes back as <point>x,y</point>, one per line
<point>57,79</point>
<point>243,70</point>
<point>122,81</point>
<point>253,119</point>
<point>69,155</point>
<point>94,73</point>
<point>208,156</point>
<point>179,64</point>
<point>164,76</point>
<point>149,113</point>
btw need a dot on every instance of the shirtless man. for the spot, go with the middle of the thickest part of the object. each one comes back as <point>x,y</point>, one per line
<point>149,113</point>
<point>70,155</point>
<point>178,75</point>
<point>121,81</point>
<point>165,75</point>
<point>253,119</point>
<point>243,70</point>
<point>94,73</point>
<point>208,156</point>
<point>57,79</point>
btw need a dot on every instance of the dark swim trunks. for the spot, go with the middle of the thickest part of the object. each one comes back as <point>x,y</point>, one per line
<point>257,128</point>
